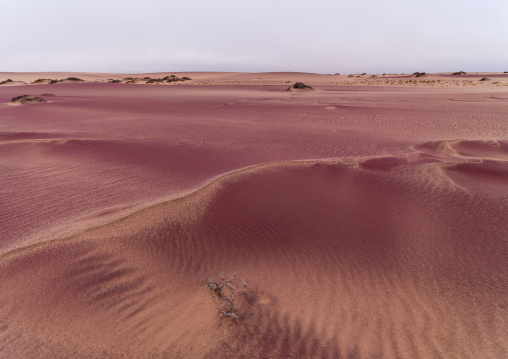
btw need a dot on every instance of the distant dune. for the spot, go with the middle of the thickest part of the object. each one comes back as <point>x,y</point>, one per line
<point>446,79</point>
<point>368,220</point>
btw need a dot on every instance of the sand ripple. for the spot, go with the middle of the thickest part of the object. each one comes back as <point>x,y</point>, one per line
<point>340,261</point>
<point>367,224</point>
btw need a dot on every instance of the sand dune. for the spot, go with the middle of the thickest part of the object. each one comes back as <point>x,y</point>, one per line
<point>367,222</point>
<point>440,80</point>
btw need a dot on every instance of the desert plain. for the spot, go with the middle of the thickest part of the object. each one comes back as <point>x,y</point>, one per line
<point>367,218</point>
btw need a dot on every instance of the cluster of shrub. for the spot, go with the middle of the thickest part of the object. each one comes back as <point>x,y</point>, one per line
<point>51,81</point>
<point>48,81</point>
<point>149,80</point>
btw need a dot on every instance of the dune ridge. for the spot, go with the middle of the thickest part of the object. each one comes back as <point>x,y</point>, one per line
<point>228,225</point>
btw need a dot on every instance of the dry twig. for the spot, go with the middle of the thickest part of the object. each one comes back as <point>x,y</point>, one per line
<point>223,294</point>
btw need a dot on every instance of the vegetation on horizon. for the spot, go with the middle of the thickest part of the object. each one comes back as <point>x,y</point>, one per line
<point>149,80</point>
<point>75,79</point>
<point>419,74</point>
<point>40,81</point>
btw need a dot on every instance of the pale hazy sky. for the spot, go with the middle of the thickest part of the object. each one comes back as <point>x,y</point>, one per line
<point>323,36</point>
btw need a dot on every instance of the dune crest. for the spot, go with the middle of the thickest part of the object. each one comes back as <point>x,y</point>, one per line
<point>118,280</point>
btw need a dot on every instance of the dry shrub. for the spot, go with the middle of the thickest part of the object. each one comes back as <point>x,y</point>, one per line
<point>23,99</point>
<point>300,86</point>
<point>223,291</point>
<point>40,81</point>
<point>77,79</point>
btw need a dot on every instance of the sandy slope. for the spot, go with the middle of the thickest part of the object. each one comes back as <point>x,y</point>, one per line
<point>367,222</point>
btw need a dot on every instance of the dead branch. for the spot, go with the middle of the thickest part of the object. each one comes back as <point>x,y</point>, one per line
<point>223,293</point>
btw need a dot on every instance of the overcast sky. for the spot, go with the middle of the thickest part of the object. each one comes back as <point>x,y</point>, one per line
<point>323,36</point>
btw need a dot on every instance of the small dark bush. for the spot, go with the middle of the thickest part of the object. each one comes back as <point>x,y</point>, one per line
<point>114,81</point>
<point>27,99</point>
<point>484,79</point>
<point>419,74</point>
<point>6,81</point>
<point>185,78</point>
<point>17,98</point>
<point>458,73</point>
<point>74,79</point>
<point>506,72</point>
<point>53,82</point>
<point>299,86</point>
<point>39,81</point>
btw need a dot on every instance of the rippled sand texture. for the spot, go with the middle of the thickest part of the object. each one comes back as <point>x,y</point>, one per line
<point>367,222</point>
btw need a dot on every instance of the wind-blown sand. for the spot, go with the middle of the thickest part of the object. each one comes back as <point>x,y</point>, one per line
<point>368,222</point>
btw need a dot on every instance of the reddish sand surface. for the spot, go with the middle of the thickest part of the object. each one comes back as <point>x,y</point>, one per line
<point>367,221</point>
